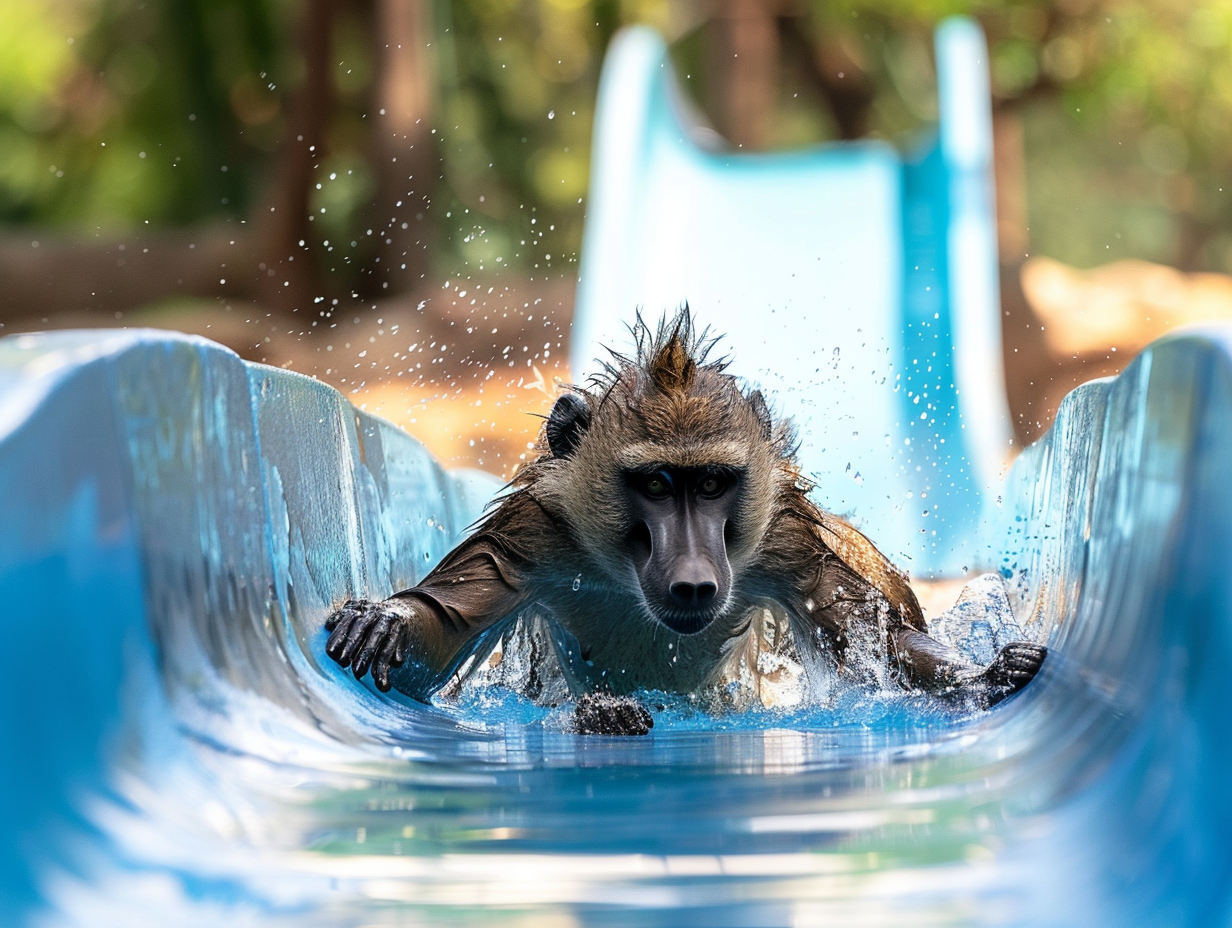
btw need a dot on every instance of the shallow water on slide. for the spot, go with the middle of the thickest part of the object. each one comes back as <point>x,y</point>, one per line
<point>247,781</point>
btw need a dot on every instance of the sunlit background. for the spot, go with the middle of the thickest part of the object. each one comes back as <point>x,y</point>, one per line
<point>388,195</point>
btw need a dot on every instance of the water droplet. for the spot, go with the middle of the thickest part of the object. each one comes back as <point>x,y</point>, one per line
<point>577,583</point>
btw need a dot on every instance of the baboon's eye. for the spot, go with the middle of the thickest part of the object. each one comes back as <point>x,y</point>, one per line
<point>656,486</point>
<point>711,486</point>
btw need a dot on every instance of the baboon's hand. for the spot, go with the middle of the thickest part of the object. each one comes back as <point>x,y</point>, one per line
<point>1013,668</point>
<point>369,634</point>
<point>605,714</point>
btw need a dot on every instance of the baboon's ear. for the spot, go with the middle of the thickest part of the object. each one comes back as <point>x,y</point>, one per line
<point>763,414</point>
<point>569,419</point>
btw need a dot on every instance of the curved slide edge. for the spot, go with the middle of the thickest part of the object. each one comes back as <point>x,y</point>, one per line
<point>151,483</point>
<point>854,284</point>
<point>1118,546</point>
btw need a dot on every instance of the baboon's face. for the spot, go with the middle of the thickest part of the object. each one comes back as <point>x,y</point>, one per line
<point>683,519</point>
<point>668,489</point>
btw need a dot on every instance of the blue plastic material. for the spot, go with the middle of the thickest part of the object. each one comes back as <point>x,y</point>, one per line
<point>176,524</point>
<point>159,491</point>
<point>857,284</point>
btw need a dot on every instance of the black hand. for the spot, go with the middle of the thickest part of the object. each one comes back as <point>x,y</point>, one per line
<point>605,714</point>
<point>368,635</point>
<point>1013,668</point>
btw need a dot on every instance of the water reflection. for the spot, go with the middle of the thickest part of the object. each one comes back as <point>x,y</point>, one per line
<point>256,786</point>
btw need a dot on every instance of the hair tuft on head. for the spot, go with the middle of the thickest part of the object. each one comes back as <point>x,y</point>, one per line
<point>672,354</point>
<point>671,368</point>
<point>666,359</point>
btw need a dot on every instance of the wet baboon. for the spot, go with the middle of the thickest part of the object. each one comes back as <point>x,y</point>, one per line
<point>661,514</point>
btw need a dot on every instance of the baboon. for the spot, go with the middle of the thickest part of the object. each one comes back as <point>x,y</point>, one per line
<point>662,511</point>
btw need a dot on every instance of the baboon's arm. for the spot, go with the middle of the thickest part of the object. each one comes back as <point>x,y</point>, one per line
<point>918,660</point>
<point>417,638</point>
<point>866,568</point>
<point>929,665</point>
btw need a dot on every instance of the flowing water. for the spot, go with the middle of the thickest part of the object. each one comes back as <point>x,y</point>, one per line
<point>244,780</point>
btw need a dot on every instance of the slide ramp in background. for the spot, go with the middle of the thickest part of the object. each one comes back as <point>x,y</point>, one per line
<point>855,283</point>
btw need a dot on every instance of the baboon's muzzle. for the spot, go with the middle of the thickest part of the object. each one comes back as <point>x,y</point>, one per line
<point>681,557</point>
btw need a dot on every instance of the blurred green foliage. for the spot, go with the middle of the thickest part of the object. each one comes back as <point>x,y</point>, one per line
<point>518,84</point>
<point>115,113</point>
<point>1127,107</point>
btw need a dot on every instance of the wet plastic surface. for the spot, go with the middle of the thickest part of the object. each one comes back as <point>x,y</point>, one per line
<point>176,525</point>
<point>154,485</point>
<point>854,282</point>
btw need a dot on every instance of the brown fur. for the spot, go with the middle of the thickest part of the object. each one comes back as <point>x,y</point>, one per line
<point>564,523</point>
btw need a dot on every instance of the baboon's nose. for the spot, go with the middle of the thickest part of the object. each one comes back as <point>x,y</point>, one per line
<point>693,595</point>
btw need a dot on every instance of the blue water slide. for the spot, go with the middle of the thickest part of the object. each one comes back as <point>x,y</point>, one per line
<point>176,523</point>
<point>856,282</point>
<point>174,750</point>
<point>172,512</point>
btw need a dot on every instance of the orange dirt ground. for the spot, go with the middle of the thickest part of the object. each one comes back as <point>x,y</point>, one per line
<point>469,367</point>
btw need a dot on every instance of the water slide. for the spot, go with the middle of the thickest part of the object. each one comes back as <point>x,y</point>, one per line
<point>856,282</point>
<point>175,523</point>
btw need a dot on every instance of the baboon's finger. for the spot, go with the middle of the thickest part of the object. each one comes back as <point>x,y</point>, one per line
<point>356,636</point>
<point>337,641</point>
<point>404,637</point>
<point>385,658</point>
<point>373,644</point>
<point>346,610</point>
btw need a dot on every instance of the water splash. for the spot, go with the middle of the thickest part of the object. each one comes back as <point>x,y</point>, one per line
<point>251,782</point>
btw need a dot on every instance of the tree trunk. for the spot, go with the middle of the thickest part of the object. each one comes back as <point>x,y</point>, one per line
<point>406,162</point>
<point>1010,169</point>
<point>287,275</point>
<point>743,54</point>
<point>835,75</point>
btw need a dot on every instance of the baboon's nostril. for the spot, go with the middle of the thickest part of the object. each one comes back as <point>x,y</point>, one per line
<point>693,595</point>
<point>684,594</point>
